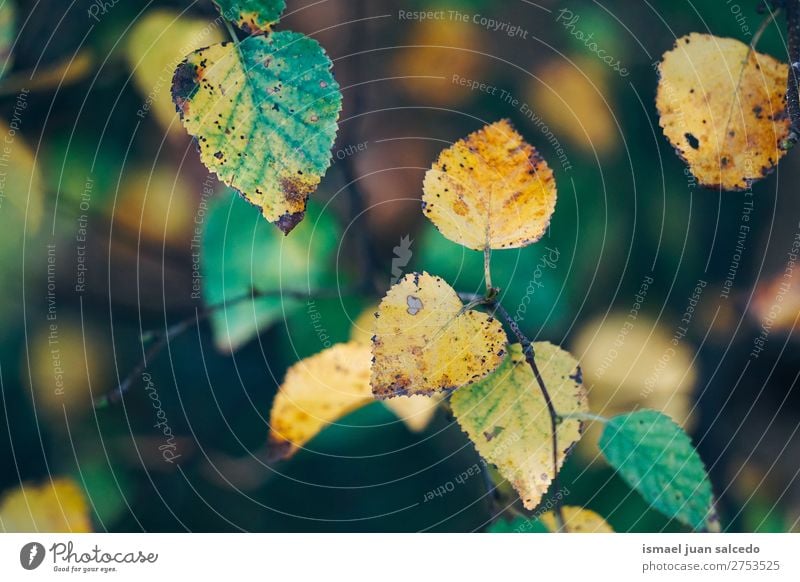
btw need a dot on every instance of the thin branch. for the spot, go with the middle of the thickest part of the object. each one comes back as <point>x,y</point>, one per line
<point>162,339</point>
<point>530,357</point>
<point>792,99</point>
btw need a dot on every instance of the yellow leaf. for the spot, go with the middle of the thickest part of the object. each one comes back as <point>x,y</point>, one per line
<point>574,99</point>
<point>507,419</point>
<point>490,190</point>
<point>436,56</point>
<point>415,411</point>
<point>157,43</point>
<point>577,520</point>
<point>57,506</point>
<point>65,365</point>
<point>21,183</point>
<point>316,392</point>
<point>424,343</point>
<point>726,117</point>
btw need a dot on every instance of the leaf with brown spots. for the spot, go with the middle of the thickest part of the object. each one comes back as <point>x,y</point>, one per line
<point>506,417</point>
<point>491,190</point>
<point>722,110</point>
<point>57,506</point>
<point>252,16</point>
<point>577,520</point>
<point>264,113</point>
<point>316,392</point>
<point>426,342</point>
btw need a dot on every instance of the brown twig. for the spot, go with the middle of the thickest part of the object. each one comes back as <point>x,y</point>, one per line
<point>792,8</point>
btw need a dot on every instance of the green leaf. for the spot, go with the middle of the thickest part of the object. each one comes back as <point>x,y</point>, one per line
<point>252,16</point>
<point>506,417</point>
<point>264,113</point>
<point>241,253</point>
<point>518,525</point>
<point>656,458</point>
<point>8,32</point>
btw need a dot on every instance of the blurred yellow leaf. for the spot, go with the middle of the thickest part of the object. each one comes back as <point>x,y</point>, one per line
<point>425,342</point>
<point>630,363</point>
<point>157,43</point>
<point>158,205</point>
<point>57,506</point>
<point>52,75</point>
<point>577,520</point>
<point>21,183</point>
<point>316,392</point>
<point>438,51</point>
<point>8,32</point>
<point>506,417</point>
<point>724,112</point>
<point>67,361</point>
<point>573,98</point>
<point>490,190</point>
<point>364,326</point>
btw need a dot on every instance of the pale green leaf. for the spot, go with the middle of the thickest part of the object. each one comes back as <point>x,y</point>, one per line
<point>241,253</point>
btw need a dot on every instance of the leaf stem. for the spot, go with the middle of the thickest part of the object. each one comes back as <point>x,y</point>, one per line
<point>584,416</point>
<point>487,270</point>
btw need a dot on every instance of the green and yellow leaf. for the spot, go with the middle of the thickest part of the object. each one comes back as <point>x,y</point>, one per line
<point>577,520</point>
<point>724,111</point>
<point>656,458</point>
<point>264,113</point>
<point>425,342</point>
<point>316,392</point>
<point>491,190</point>
<point>57,506</point>
<point>506,417</point>
<point>252,16</point>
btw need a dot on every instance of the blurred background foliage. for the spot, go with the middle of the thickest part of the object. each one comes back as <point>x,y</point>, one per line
<point>102,175</point>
